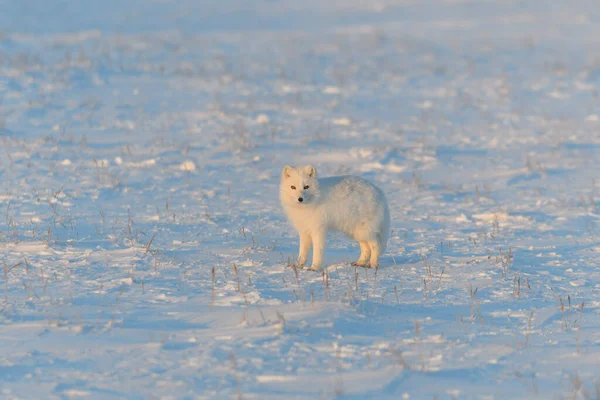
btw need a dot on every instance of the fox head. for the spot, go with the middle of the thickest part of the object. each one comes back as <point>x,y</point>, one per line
<point>299,186</point>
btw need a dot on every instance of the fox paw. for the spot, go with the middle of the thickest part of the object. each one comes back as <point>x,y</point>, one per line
<point>360,263</point>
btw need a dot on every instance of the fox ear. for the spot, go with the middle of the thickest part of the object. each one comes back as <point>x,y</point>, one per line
<point>287,170</point>
<point>311,171</point>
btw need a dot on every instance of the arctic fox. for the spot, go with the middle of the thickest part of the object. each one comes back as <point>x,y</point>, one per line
<point>345,204</point>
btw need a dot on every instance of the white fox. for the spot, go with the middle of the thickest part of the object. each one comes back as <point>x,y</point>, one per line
<point>345,204</point>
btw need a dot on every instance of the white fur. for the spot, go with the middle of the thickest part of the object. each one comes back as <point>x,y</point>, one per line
<point>347,204</point>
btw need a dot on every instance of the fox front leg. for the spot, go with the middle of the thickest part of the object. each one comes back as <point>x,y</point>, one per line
<point>305,243</point>
<point>319,240</point>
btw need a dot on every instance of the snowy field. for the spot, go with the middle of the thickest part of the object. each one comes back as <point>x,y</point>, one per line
<point>145,254</point>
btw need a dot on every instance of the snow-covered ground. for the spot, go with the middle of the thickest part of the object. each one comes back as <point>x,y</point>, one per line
<point>144,251</point>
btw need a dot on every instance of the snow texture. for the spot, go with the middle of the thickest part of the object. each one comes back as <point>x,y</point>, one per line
<point>144,251</point>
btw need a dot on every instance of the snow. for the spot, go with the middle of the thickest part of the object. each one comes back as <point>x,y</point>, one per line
<point>144,253</point>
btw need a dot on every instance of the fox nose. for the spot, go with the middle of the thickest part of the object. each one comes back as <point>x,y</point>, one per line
<point>300,199</point>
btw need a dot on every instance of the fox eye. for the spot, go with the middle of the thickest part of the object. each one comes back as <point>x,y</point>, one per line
<point>293,187</point>
<point>305,187</point>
